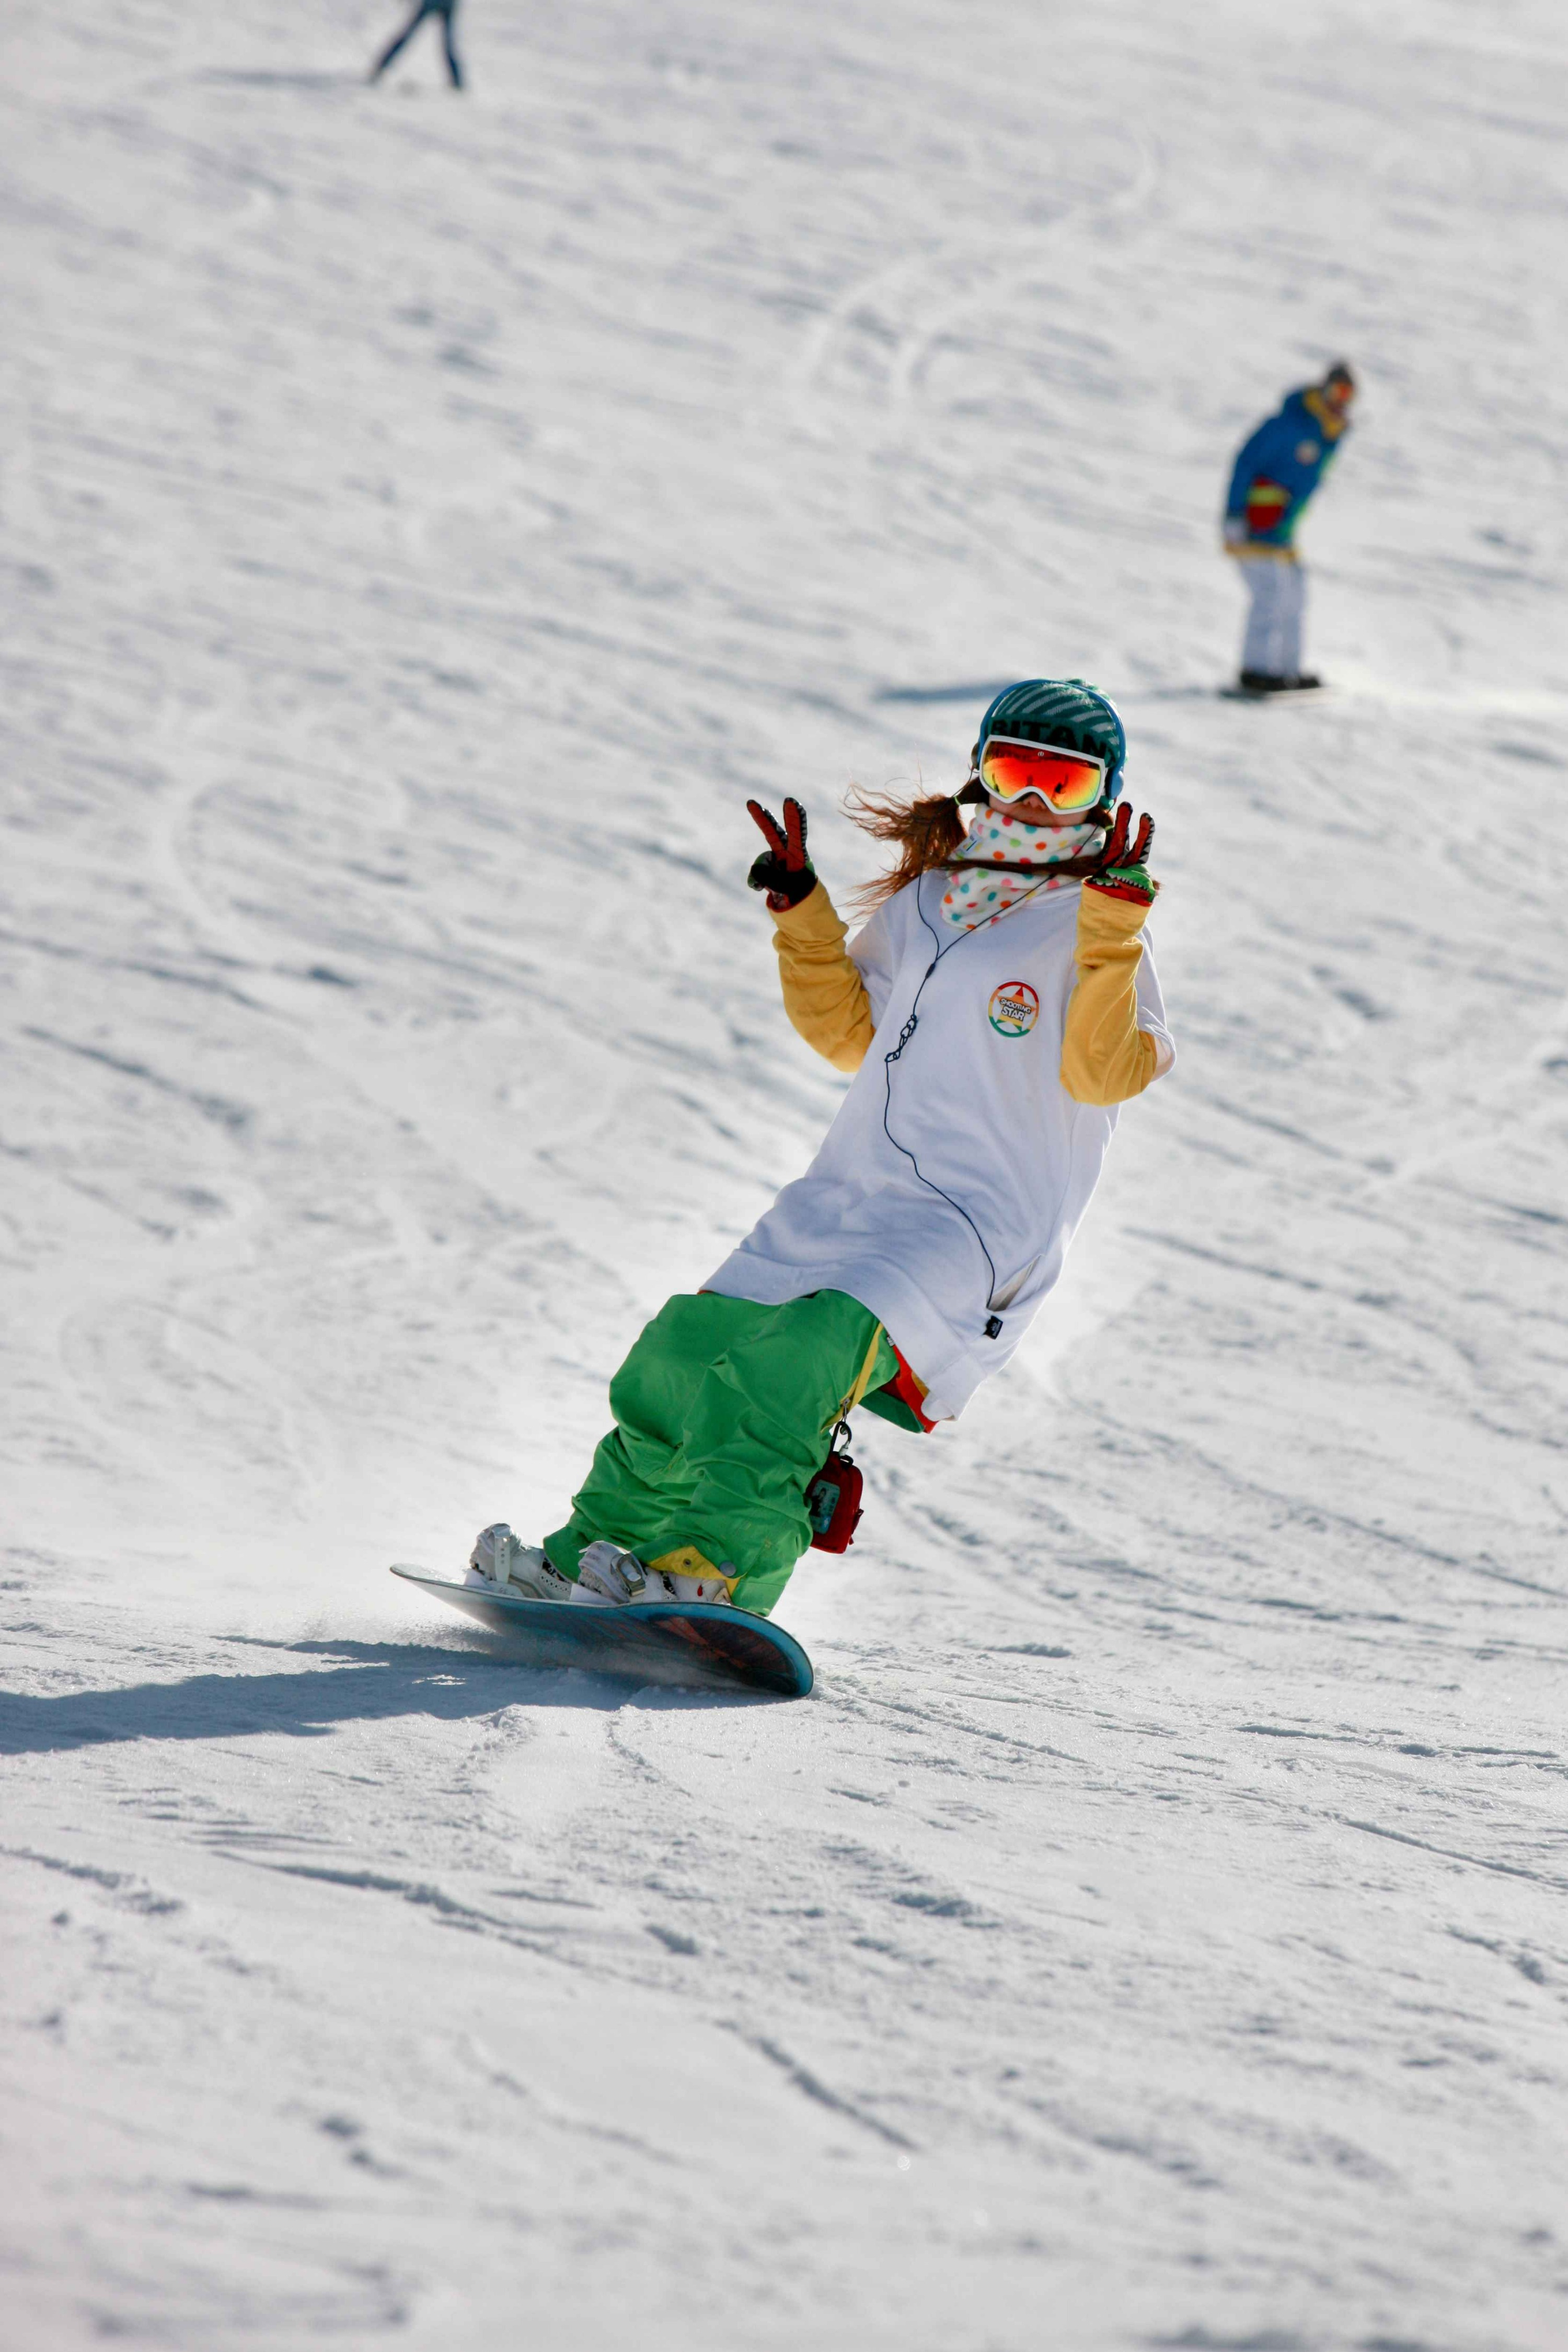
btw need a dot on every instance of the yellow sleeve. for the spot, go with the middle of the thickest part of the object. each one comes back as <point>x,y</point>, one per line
<point>1105,1056</point>
<point>824,994</point>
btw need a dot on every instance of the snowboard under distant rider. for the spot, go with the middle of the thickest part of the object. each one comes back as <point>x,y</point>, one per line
<point>1277,470</point>
<point>995,1009</point>
<point>445,10</point>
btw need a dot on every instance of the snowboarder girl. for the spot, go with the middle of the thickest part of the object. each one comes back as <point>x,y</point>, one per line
<point>995,1009</point>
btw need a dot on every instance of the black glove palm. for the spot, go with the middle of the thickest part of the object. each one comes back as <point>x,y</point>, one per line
<point>783,869</point>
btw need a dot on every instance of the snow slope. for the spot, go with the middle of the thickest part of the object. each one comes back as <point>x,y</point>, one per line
<point>422,522</point>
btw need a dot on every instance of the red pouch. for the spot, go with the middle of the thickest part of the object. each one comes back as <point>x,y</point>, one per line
<point>1266,504</point>
<point>833,1498</point>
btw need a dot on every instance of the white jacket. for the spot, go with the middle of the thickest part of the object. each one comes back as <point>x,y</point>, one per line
<point>951,1182</point>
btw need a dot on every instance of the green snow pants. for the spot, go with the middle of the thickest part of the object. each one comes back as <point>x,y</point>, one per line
<point>722,1412</point>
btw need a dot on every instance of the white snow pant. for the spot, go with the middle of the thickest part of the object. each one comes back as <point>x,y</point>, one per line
<point>1278,591</point>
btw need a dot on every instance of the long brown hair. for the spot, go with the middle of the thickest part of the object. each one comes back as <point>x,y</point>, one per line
<point>926,833</point>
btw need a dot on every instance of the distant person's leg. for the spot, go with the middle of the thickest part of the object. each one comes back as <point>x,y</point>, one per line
<point>1280,594</point>
<point>394,49</point>
<point>1292,608</point>
<point>1258,578</point>
<point>1279,633</point>
<point>454,63</point>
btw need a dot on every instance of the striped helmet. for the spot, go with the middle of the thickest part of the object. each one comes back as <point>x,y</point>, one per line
<point>1065,711</point>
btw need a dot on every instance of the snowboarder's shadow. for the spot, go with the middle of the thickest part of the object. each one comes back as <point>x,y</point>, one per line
<point>262,80</point>
<point>375,1683</point>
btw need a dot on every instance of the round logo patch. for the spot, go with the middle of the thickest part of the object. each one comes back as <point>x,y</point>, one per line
<point>1014,1009</point>
<point>1306,451</point>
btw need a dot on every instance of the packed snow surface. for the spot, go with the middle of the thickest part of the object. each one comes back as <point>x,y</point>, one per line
<point>423,520</point>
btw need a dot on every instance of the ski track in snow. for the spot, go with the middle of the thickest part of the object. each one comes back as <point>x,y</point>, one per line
<point>1152,1932</point>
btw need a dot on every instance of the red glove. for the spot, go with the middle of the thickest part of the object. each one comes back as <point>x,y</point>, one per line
<point>783,869</point>
<point>1122,873</point>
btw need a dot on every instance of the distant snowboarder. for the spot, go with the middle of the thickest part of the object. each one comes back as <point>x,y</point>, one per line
<point>445,10</point>
<point>1275,473</point>
<point>998,1007</point>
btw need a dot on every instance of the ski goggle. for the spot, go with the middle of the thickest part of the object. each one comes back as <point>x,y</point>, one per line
<point>1065,781</point>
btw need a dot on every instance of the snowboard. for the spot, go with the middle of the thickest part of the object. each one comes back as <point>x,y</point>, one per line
<point>1278,694</point>
<point>692,1644</point>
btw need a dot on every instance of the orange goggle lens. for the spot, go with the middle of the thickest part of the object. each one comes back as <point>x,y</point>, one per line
<point>1066,781</point>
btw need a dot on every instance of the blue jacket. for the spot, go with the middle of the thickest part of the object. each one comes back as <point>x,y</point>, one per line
<point>1281,466</point>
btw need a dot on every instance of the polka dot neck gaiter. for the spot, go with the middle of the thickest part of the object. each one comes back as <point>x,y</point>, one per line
<point>974,897</point>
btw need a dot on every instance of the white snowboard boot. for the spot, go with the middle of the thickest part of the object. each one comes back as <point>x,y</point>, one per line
<point>609,1578</point>
<point>520,1569</point>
